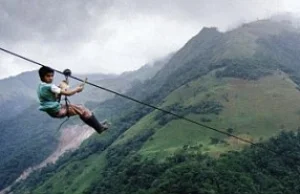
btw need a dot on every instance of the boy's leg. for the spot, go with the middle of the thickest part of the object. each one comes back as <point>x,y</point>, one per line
<point>72,111</point>
<point>80,110</point>
<point>87,117</point>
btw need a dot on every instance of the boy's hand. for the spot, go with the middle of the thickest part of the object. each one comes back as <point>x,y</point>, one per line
<point>83,82</point>
<point>79,89</point>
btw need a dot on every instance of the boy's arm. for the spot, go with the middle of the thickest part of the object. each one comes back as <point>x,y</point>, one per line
<point>70,92</point>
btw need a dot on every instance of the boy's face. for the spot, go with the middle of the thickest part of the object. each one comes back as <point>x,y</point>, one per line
<point>48,78</point>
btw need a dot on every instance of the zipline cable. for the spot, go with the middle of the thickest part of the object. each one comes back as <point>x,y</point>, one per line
<point>146,104</point>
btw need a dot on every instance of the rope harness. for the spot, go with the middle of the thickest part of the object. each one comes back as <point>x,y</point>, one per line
<point>67,73</point>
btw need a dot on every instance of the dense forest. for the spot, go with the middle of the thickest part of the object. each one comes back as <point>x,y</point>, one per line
<point>253,170</point>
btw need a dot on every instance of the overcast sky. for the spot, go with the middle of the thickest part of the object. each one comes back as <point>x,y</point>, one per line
<point>112,36</point>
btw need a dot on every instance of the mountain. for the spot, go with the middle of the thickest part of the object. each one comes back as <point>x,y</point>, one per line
<point>18,95</point>
<point>29,136</point>
<point>243,81</point>
<point>121,83</point>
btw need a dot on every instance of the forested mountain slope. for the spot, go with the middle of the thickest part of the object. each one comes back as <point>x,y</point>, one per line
<point>244,81</point>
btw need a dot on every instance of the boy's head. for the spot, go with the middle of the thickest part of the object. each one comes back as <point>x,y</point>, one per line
<point>46,74</point>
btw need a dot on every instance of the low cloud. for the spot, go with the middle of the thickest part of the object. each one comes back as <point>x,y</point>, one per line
<point>114,35</point>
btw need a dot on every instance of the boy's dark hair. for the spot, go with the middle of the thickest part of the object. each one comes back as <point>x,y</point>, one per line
<point>43,71</point>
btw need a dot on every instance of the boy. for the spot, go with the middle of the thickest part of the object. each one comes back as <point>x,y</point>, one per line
<point>48,92</point>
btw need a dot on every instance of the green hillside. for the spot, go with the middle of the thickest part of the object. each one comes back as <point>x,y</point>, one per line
<point>244,82</point>
<point>252,109</point>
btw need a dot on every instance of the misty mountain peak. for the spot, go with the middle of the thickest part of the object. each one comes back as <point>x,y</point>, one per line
<point>267,27</point>
<point>207,33</point>
<point>209,30</point>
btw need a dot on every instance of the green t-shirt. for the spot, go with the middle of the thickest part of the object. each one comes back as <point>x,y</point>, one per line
<point>47,96</point>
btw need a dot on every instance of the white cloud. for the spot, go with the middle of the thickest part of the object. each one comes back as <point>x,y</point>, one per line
<point>115,36</point>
